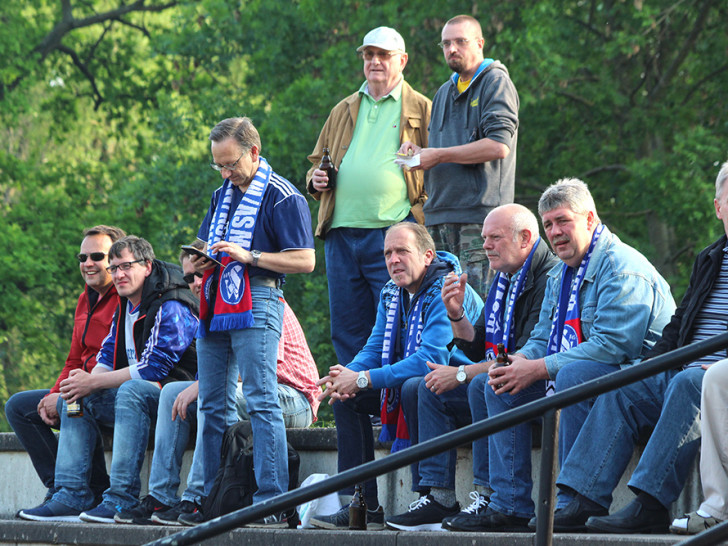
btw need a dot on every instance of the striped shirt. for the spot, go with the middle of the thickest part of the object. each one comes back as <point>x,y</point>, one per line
<point>296,366</point>
<point>712,319</point>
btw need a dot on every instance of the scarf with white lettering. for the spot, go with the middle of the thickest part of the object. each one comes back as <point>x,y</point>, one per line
<point>499,327</point>
<point>394,426</point>
<point>226,301</point>
<point>566,327</point>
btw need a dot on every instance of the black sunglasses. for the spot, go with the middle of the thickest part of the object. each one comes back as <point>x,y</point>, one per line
<point>190,277</point>
<point>95,256</point>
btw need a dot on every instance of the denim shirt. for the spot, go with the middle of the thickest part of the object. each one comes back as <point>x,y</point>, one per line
<point>625,303</point>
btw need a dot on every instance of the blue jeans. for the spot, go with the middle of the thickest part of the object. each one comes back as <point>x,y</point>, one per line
<point>41,443</point>
<point>252,353</point>
<point>172,437</point>
<point>510,452</point>
<point>409,399</point>
<point>296,408</point>
<point>129,410</point>
<point>439,414</point>
<point>671,403</point>
<point>354,437</point>
<point>356,273</point>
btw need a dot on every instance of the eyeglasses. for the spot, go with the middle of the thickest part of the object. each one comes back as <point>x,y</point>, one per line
<point>369,55</point>
<point>95,256</point>
<point>459,42</point>
<point>190,277</point>
<point>125,266</point>
<point>218,167</point>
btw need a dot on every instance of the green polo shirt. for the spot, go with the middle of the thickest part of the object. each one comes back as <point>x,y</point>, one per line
<point>370,187</point>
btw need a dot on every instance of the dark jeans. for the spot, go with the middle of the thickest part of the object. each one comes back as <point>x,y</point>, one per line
<point>355,440</point>
<point>41,443</point>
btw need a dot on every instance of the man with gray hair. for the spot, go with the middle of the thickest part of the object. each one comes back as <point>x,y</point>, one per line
<point>452,396</point>
<point>604,307</point>
<point>363,133</point>
<point>669,402</point>
<point>256,230</point>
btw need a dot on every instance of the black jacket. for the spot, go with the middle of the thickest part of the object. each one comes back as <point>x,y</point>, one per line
<point>679,330</point>
<point>165,283</point>
<point>527,310</point>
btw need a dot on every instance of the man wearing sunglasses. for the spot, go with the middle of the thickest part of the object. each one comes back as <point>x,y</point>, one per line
<point>470,161</point>
<point>150,343</point>
<point>363,133</point>
<point>34,414</point>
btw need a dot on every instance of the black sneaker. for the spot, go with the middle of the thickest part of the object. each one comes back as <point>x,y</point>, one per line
<point>142,513</point>
<point>170,517</point>
<point>476,508</point>
<point>282,520</point>
<point>489,522</point>
<point>425,514</point>
<point>340,520</point>
<point>193,518</point>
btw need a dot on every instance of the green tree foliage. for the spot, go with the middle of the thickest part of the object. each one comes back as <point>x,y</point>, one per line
<point>105,108</point>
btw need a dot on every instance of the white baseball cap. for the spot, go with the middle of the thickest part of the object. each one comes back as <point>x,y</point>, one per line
<point>385,38</point>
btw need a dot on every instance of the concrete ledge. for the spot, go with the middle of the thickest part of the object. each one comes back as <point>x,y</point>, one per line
<point>27,532</point>
<point>21,487</point>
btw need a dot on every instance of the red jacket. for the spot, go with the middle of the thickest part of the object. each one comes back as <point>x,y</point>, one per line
<point>91,326</point>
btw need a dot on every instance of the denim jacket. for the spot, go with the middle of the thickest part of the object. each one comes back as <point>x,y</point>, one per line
<point>625,303</point>
<point>436,331</point>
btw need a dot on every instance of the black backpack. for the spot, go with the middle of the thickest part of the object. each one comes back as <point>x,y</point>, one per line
<point>235,480</point>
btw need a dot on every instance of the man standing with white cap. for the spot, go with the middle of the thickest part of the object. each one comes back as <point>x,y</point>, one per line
<point>363,133</point>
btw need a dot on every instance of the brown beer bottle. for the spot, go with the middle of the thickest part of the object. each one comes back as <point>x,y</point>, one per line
<point>358,511</point>
<point>74,409</point>
<point>501,359</point>
<point>328,166</point>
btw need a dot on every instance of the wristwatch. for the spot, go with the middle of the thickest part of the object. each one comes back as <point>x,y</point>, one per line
<point>362,382</point>
<point>461,376</point>
<point>256,254</point>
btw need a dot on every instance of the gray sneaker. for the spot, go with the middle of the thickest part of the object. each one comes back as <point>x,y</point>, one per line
<point>340,520</point>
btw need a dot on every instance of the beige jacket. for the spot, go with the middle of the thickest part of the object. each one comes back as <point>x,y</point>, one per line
<point>337,133</point>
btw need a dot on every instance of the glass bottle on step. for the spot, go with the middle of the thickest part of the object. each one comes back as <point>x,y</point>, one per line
<point>358,510</point>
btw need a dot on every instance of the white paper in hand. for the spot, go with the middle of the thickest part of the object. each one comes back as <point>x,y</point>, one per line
<point>407,161</point>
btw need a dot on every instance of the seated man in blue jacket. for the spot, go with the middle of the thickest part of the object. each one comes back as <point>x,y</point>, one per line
<point>411,329</point>
<point>151,342</point>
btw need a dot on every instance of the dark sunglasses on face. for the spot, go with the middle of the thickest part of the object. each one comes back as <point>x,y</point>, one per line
<point>190,277</point>
<point>95,256</point>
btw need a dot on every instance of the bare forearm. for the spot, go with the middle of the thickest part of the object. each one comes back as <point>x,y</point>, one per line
<point>481,151</point>
<point>290,261</point>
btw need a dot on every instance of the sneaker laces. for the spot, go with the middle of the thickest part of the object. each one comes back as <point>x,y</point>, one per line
<point>479,502</point>
<point>419,503</point>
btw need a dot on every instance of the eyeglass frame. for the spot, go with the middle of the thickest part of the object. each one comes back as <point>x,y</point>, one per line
<point>82,257</point>
<point>124,266</point>
<point>381,55</point>
<point>459,42</point>
<point>219,168</point>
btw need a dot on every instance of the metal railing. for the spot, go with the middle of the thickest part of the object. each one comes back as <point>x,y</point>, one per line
<point>545,407</point>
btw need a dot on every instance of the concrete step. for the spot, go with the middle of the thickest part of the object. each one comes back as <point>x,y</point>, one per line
<point>28,532</point>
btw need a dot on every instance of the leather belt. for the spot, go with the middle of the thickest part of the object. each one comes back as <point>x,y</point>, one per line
<point>262,280</point>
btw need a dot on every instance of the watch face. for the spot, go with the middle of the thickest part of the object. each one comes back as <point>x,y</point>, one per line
<point>362,382</point>
<point>461,376</point>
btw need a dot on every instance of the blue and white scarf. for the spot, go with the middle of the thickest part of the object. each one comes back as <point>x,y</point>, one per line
<point>394,426</point>
<point>566,330</point>
<point>232,304</point>
<point>494,309</point>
